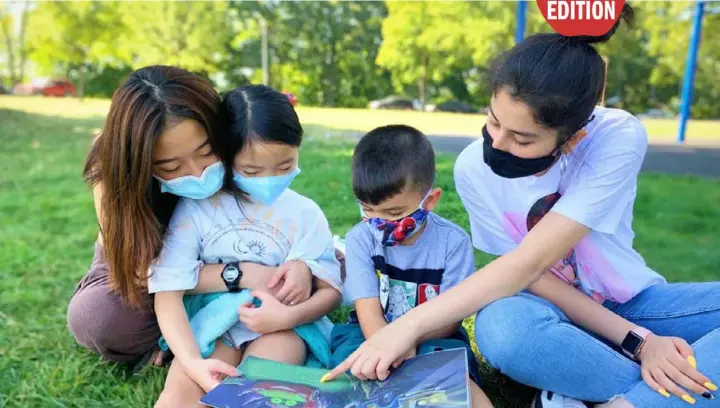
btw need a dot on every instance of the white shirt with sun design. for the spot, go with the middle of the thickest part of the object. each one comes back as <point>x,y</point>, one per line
<point>221,229</point>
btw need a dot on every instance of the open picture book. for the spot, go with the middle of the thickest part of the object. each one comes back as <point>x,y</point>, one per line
<point>437,380</point>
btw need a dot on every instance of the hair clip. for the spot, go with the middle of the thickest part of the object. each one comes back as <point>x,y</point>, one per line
<point>291,98</point>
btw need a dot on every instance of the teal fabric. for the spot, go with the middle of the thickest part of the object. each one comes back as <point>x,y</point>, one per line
<point>211,315</point>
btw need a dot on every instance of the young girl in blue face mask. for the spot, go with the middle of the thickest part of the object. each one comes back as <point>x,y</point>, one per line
<point>256,218</point>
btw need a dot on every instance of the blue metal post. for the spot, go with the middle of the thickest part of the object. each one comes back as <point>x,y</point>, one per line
<point>690,65</point>
<point>520,23</point>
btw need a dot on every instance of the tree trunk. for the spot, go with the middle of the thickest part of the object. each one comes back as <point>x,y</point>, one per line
<point>21,41</point>
<point>602,96</point>
<point>264,52</point>
<point>332,77</point>
<point>81,83</point>
<point>422,81</point>
<point>6,31</point>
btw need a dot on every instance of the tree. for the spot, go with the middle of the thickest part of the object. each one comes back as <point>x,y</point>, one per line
<point>404,53</point>
<point>323,51</point>
<point>191,35</point>
<point>444,49</point>
<point>73,35</point>
<point>14,40</point>
<point>668,25</point>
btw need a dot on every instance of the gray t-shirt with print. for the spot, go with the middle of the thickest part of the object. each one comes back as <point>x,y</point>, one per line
<point>406,276</point>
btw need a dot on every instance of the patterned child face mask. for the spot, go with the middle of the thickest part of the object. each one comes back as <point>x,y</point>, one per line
<point>393,232</point>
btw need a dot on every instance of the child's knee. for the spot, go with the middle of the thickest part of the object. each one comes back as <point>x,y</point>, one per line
<point>283,346</point>
<point>180,391</point>
<point>172,398</point>
<point>478,397</point>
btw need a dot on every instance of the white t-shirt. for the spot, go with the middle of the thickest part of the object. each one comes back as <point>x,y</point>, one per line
<point>594,185</point>
<point>221,229</point>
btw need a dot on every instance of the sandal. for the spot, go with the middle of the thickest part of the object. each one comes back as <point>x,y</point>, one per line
<point>150,358</point>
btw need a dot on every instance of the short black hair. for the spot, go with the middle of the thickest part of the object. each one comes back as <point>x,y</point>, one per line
<point>388,160</point>
<point>561,78</point>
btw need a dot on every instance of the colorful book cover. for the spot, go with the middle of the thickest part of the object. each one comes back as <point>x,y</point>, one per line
<point>429,381</point>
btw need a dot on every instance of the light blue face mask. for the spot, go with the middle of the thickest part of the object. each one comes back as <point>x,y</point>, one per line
<point>196,188</point>
<point>265,189</point>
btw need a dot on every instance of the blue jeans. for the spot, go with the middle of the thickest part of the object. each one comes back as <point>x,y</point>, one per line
<point>531,341</point>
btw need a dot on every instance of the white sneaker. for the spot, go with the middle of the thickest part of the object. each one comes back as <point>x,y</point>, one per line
<point>548,399</point>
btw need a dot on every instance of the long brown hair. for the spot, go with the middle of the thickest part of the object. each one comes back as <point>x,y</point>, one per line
<point>135,214</point>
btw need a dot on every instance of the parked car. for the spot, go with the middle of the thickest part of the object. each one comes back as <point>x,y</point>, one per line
<point>452,106</point>
<point>656,114</point>
<point>46,87</point>
<point>392,102</point>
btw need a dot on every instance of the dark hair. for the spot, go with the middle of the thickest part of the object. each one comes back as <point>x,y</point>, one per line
<point>561,78</point>
<point>256,113</point>
<point>389,159</point>
<point>134,214</point>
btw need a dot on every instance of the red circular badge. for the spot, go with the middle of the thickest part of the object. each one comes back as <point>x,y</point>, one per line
<point>581,17</point>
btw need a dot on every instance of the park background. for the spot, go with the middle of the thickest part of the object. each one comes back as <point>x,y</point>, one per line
<point>336,57</point>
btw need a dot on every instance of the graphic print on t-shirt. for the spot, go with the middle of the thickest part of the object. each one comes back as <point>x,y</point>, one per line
<point>403,289</point>
<point>250,240</point>
<point>566,268</point>
<point>427,292</point>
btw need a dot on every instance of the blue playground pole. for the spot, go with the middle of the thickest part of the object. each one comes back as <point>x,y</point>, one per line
<point>690,65</point>
<point>520,23</point>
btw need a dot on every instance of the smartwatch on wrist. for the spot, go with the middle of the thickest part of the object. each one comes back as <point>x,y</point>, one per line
<point>231,275</point>
<point>634,342</point>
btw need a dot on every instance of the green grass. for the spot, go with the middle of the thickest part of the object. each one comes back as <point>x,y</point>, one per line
<point>363,120</point>
<point>47,230</point>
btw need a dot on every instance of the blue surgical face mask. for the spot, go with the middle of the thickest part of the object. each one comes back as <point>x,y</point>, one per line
<point>196,188</point>
<point>265,190</point>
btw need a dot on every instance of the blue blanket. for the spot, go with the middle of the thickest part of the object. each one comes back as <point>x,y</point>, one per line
<point>211,315</point>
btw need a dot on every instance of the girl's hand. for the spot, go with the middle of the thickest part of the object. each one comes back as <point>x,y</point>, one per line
<point>668,364</point>
<point>208,373</point>
<point>297,286</point>
<point>373,359</point>
<point>270,317</point>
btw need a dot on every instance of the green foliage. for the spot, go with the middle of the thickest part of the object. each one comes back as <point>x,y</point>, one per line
<point>13,46</point>
<point>322,51</point>
<point>346,53</point>
<point>187,34</point>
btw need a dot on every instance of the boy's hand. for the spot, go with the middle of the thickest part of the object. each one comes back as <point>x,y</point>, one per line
<point>208,373</point>
<point>297,285</point>
<point>410,354</point>
<point>270,317</point>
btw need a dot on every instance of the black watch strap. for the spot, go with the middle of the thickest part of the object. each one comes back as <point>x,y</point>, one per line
<point>231,275</point>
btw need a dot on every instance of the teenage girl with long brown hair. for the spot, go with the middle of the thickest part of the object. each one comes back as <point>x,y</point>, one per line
<point>157,144</point>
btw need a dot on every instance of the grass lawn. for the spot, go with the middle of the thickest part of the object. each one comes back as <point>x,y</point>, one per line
<point>48,226</point>
<point>362,120</point>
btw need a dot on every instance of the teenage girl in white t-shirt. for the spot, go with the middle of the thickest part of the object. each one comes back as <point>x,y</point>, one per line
<point>551,188</point>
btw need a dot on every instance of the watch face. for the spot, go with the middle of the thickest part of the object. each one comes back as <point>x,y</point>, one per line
<point>230,273</point>
<point>632,343</point>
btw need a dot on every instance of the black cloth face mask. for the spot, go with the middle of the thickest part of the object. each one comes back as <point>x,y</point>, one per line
<point>509,166</point>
